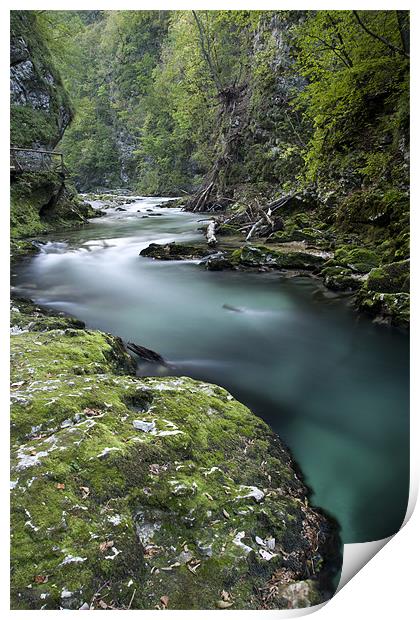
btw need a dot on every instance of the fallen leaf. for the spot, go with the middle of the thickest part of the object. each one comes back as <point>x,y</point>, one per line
<point>224,604</point>
<point>164,600</point>
<point>105,545</point>
<point>209,497</point>
<point>225,595</point>
<point>226,514</point>
<point>41,578</point>
<point>60,486</point>
<point>102,604</point>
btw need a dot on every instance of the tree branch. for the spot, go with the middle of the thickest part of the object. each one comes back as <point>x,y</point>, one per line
<point>390,45</point>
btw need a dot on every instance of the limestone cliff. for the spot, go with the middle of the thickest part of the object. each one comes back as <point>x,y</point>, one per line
<point>40,111</point>
<point>40,106</point>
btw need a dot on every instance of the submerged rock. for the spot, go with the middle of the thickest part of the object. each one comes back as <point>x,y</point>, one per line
<point>174,511</point>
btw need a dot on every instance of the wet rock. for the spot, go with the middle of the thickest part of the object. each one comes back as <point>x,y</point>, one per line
<point>231,308</point>
<point>391,278</point>
<point>261,256</point>
<point>173,251</point>
<point>218,262</point>
<point>360,260</point>
<point>385,294</point>
<point>385,308</point>
<point>341,279</point>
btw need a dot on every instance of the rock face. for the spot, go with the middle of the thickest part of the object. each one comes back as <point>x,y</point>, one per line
<point>148,492</point>
<point>40,107</point>
<point>40,112</point>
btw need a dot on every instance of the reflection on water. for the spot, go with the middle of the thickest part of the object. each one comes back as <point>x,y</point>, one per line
<point>334,386</point>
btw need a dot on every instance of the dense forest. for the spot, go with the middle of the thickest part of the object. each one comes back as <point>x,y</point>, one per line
<point>260,101</point>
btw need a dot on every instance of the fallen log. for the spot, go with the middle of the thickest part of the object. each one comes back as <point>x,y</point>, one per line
<point>145,354</point>
<point>211,236</point>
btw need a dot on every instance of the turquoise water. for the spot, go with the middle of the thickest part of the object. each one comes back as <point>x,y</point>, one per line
<point>334,386</point>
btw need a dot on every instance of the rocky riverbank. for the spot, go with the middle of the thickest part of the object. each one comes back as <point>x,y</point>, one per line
<point>376,275</point>
<point>148,493</point>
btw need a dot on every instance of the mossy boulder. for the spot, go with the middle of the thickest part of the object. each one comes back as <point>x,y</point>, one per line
<point>388,308</point>
<point>145,493</point>
<point>340,278</point>
<point>219,261</point>
<point>385,294</point>
<point>265,257</point>
<point>360,260</point>
<point>174,251</point>
<point>391,278</point>
<point>41,202</point>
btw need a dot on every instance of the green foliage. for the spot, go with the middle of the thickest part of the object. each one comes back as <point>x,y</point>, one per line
<point>356,97</point>
<point>271,100</point>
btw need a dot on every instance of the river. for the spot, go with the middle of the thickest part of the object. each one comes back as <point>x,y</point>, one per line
<point>331,384</point>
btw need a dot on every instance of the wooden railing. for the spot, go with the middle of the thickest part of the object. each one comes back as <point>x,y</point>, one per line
<point>35,160</point>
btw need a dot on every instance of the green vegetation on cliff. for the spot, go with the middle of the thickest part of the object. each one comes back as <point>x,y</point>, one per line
<point>40,112</point>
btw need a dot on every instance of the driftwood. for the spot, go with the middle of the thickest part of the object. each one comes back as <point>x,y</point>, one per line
<point>147,355</point>
<point>254,228</point>
<point>211,236</point>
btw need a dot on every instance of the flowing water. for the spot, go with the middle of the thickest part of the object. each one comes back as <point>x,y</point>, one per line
<point>331,384</point>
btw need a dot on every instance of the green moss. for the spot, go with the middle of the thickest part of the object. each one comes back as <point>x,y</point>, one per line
<point>174,251</point>
<point>146,513</point>
<point>41,202</point>
<point>340,278</point>
<point>357,259</point>
<point>389,308</point>
<point>391,278</point>
<point>266,257</point>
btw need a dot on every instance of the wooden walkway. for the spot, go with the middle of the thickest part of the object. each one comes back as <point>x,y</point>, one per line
<point>35,160</point>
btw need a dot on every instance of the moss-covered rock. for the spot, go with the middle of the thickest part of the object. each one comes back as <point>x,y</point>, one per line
<point>357,259</point>
<point>139,493</point>
<point>40,202</point>
<point>174,251</point>
<point>266,257</point>
<point>388,308</point>
<point>340,278</point>
<point>391,278</point>
<point>219,261</point>
<point>385,294</point>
